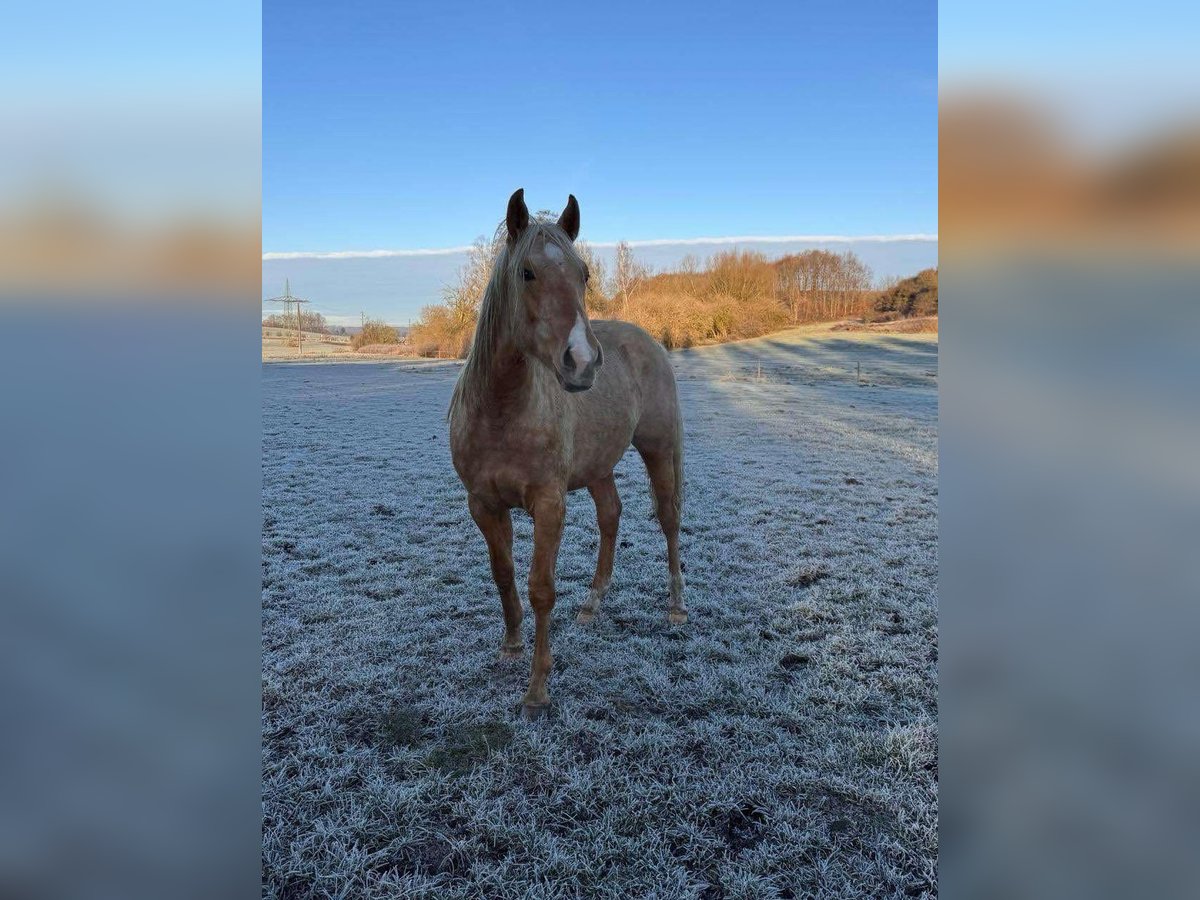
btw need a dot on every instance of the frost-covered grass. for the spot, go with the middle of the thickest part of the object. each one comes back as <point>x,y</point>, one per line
<point>781,744</point>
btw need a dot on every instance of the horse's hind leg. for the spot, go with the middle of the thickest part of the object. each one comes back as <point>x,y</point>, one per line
<point>608,517</point>
<point>496,525</point>
<point>665,480</point>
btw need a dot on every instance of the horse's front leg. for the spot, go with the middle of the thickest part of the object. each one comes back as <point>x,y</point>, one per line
<point>548,510</point>
<point>496,525</point>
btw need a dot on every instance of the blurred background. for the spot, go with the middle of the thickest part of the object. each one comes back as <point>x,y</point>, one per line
<point>129,254</point>
<point>1069,142</point>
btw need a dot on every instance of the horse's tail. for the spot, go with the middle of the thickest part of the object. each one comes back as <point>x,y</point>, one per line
<point>677,461</point>
<point>677,470</point>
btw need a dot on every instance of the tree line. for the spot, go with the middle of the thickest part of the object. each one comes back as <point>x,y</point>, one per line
<point>310,321</point>
<point>732,295</point>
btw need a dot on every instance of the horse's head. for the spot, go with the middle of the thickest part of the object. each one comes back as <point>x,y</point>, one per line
<point>550,280</point>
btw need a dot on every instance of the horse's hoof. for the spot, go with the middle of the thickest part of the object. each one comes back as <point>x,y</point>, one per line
<point>585,616</point>
<point>677,616</point>
<point>531,712</point>
<point>512,651</point>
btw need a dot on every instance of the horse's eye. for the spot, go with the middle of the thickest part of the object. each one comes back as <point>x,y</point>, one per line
<point>527,275</point>
<point>586,275</point>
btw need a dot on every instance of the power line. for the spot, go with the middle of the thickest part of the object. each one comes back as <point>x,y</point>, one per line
<point>287,300</point>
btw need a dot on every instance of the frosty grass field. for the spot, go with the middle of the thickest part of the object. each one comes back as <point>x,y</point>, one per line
<point>781,744</point>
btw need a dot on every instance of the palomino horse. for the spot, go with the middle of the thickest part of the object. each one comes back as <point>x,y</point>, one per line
<point>547,403</point>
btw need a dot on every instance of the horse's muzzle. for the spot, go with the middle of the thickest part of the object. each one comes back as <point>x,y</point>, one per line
<point>575,380</point>
<point>578,381</point>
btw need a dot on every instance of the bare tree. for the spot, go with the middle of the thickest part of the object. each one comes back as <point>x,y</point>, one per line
<point>787,285</point>
<point>446,329</point>
<point>740,275</point>
<point>627,275</point>
<point>854,283</point>
<point>818,284</point>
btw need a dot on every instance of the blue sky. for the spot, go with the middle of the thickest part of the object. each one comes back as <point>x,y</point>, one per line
<point>389,125</point>
<point>1024,39</point>
<point>121,49</point>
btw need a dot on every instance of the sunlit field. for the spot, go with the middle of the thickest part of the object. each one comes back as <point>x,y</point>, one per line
<point>781,744</point>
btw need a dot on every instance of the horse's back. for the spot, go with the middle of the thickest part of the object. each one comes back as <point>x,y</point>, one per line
<point>633,346</point>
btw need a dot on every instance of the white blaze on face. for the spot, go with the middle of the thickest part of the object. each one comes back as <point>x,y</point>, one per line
<point>554,253</point>
<point>577,343</point>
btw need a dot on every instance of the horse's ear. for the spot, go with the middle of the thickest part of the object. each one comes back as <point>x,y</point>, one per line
<point>518,214</point>
<point>569,220</point>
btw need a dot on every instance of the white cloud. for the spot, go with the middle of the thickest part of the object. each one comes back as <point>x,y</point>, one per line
<point>774,239</point>
<point>363,254</point>
<point>657,242</point>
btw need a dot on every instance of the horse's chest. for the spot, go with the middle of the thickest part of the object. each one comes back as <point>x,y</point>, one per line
<point>504,463</point>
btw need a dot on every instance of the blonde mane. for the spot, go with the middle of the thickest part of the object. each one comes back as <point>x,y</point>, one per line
<point>500,312</point>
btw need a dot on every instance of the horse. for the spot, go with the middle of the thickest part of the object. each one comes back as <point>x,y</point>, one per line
<point>548,402</point>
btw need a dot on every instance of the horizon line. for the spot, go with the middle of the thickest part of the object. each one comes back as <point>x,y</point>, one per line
<point>652,242</point>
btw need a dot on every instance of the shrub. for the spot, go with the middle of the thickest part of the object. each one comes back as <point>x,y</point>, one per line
<point>443,331</point>
<point>915,296</point>
<point>375,332</point>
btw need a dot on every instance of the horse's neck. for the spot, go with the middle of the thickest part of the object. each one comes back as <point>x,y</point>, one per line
<point>516,388</point>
